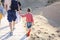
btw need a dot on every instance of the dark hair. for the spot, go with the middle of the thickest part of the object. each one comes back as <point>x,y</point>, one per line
<point>19,3</point>
<point>28,10</point>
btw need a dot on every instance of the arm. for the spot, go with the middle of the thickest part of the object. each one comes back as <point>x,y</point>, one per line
<point>5,6</point>
<point>22,15</point>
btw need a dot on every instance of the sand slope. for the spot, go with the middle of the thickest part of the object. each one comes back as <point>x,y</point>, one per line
<point>41,30</point>
<point>52,12</point>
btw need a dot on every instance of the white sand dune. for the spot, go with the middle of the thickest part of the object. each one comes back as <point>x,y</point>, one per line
<point>41,30</point>
<point>52,12</point>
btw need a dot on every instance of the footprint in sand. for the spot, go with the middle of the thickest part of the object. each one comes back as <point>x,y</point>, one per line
<point>36,22</point>
<point>58,35</point>
<point>37,38</point>
<point>33,29</point>
<point>41,38</point>
<point>45,33</point>
<point>58,31</point>
<point>38,31</point>
<point>50,37</point>
<point>38,25</point>
<point>41,28</point>
<point>53,35</point>
<point>32,38</point>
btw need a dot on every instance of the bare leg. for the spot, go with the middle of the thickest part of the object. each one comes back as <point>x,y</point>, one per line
<point>10,24</point>
<point>11,30</point>
<point>5,6</point>
<point>13,25</point>
<point>28,33</point>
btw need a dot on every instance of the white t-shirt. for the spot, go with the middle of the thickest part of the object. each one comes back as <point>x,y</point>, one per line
<point>8,3</point>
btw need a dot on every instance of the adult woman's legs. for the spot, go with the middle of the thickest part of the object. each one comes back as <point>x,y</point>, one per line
<point>13,25</point>
<point>11,29</point>
<point>10,24</point>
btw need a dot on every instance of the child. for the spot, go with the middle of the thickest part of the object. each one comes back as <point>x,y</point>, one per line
<point>29,20</point>
<point>1,11</point>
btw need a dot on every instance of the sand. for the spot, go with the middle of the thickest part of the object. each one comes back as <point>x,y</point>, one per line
<point>52,12</point>
<point>41,30</point>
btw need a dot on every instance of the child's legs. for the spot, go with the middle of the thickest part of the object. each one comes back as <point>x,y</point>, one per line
<point>29,30</point>
<point>29,24</point>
